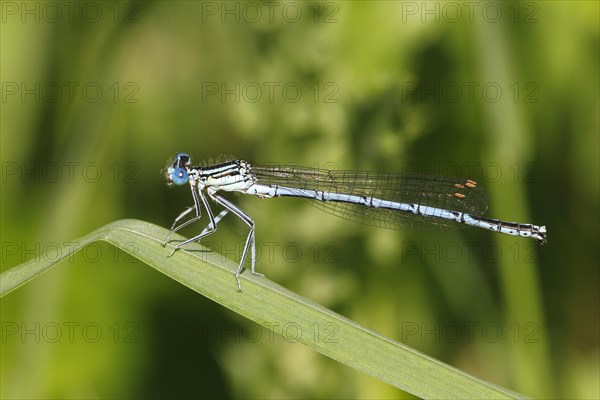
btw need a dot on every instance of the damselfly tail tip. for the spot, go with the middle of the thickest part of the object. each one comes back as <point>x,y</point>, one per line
<point>541,235</point>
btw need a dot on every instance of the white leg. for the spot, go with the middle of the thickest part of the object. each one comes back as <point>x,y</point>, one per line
<point>196,207</point>
<point>211,228</point>
<point>250,240</point>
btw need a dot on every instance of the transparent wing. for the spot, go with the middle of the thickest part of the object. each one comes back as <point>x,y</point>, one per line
<point>448,193</point>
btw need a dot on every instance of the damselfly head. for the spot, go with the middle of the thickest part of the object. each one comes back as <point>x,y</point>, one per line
<point>177,173</point>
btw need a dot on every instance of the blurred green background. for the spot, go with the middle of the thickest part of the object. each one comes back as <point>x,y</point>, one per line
<point>98,96</point>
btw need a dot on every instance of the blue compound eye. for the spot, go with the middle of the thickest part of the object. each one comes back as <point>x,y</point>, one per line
<point>179,176</point>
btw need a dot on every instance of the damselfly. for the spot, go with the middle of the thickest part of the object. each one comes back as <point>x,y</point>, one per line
<point>392,201</point>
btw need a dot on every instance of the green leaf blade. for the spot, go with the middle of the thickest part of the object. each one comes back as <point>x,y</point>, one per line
<point>276,308</point>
